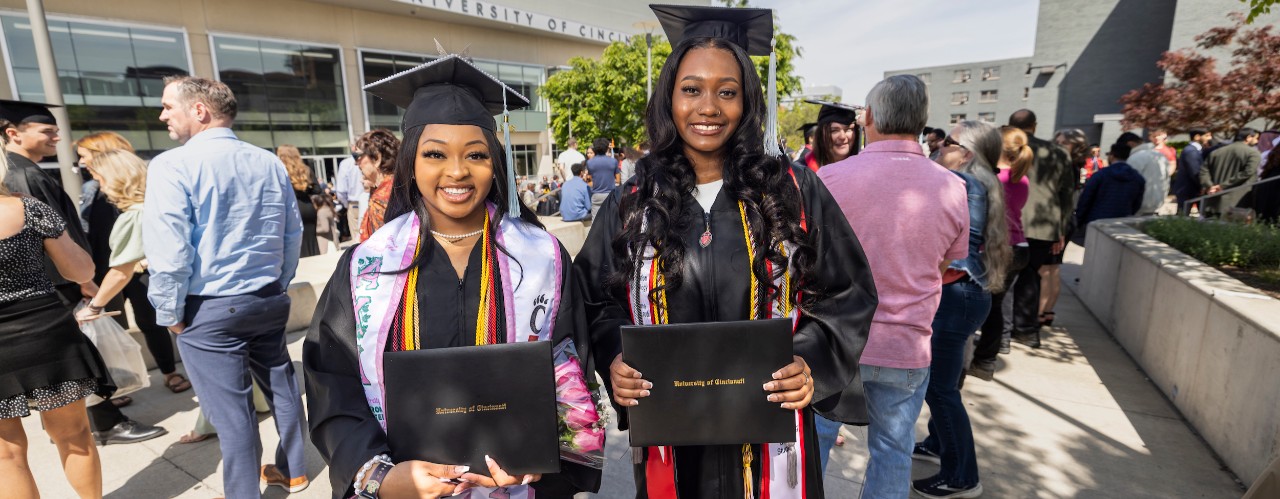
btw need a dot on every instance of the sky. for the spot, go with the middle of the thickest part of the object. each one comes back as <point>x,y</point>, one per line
<point>851,43</point>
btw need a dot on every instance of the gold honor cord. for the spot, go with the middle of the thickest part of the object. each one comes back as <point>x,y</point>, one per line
<point>412,339</point>
<point>486,286</point>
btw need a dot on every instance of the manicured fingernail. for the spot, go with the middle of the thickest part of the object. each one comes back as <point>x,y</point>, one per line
<point>489,460</point>
<point>773,398</point>
<point>464,480</point>
<point>461,469</point>
<point>634,402</point>
<point>777,375</point>
<point>527,479</point>
<point>644,393</point>
<point>637,375</point>
<point>648,385</point>
<point>446,480</point>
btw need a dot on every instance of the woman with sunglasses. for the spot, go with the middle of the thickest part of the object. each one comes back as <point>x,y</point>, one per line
<point>376,156</point>
<point>971,151</point>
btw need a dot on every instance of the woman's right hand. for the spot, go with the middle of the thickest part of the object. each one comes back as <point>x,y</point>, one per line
<point>413,479</point>
<point>628,387</point>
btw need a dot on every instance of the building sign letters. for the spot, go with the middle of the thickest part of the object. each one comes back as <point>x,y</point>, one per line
<point>501,13</point>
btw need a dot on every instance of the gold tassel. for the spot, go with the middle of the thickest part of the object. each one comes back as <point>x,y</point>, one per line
<point>746,472</point>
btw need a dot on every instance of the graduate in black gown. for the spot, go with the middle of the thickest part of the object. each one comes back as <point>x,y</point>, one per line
<point>837,135</point>
<point>709,181</point>
<point>486,272</point>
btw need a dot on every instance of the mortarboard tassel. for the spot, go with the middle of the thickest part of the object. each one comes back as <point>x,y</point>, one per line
<point>513,195</point>
<point>771,146</point>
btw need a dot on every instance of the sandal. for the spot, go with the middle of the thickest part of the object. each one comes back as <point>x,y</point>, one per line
<point>193,437</point>
<point>177,383</point>
<point>121,401</point>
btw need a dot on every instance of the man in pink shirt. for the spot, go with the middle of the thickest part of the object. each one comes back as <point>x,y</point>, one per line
<point>912,217</point>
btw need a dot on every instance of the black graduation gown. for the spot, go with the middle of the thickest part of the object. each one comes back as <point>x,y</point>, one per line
<point>307,211</point>
<point>342,426</point>
<point>830,337</point>
<point>27,178</point>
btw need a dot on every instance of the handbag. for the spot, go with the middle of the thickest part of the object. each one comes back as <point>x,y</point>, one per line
<point>120,353</point>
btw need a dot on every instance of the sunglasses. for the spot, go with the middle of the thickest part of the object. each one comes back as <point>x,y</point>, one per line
<point>357,155</point>
<point>947,142</point>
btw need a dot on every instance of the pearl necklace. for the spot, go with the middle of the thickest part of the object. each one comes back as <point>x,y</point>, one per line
<point>457,237</point>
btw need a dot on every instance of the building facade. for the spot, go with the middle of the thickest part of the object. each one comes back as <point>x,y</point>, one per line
<point>986,91</point>
<point>1087,55</point>
<point>297,66</point>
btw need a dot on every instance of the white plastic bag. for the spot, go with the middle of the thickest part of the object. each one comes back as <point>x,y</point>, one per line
<point>122,355</point>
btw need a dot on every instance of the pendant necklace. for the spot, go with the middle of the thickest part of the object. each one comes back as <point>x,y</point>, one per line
<point>705,240</point>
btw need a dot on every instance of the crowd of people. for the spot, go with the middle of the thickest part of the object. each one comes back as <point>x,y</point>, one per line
<point>889,244</point>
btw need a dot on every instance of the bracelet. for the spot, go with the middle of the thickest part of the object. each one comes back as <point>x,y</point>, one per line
<point>370,490</point>
<point>380,458</point>
<point>96,310</point>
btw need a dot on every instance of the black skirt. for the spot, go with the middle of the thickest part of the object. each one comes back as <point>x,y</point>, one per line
<point>41,346</point>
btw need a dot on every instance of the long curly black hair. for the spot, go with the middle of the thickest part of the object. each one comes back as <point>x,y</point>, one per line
<point>405,196</point>
<point>665,179</point>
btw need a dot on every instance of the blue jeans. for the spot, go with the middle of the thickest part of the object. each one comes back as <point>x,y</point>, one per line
<point>827,431</point>
<point>894,397</point>
<point>963,308</point>
<point>229,340</point>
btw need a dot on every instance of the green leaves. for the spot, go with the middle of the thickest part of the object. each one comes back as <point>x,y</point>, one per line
<point>1254,246</point>
<point>605,97</point>
<point>1258,8</point>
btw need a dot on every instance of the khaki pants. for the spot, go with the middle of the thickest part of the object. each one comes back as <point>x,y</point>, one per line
<point>353,219</point>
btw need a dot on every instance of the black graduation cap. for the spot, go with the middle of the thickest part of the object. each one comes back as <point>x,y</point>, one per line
<point>751,29</point>
<point>18,112</point>
<point>806,127</point>
<point>835,112</point>
<point>447,91</point>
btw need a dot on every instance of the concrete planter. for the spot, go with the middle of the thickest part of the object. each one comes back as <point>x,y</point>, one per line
<point>1208,341</point>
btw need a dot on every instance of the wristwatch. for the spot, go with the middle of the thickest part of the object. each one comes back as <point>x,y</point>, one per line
<point>371,486</point>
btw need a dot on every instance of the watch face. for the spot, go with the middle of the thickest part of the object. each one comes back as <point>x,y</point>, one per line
<point>371,487</point>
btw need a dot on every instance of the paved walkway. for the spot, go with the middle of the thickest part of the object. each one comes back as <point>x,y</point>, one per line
<point>1073,419</point>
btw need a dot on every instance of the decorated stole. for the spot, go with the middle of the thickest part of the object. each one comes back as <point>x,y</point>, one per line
<point>781,466</point>
<point>377,290</point>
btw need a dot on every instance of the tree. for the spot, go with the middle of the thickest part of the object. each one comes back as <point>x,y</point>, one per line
<point>605,97</point>
<point>794,116</point>
<point>1196,94</point>
<point>1258,8</point>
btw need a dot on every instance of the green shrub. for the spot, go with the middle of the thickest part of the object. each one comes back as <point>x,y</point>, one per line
<point>1220,243</point>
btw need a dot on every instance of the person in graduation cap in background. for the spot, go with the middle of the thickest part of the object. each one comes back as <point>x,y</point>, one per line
<point>808,129</point>
<point>30,135</point>
<point>455,220</point>
<point>734,233</point>
<point>837,137</point>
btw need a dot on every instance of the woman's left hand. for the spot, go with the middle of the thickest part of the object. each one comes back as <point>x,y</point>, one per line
<point>792,385</point>
<point>499,478</point>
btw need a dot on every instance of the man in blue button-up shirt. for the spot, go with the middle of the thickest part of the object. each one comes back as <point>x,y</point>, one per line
<point>222,232</point>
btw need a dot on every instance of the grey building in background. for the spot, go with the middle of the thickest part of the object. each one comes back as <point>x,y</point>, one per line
<point>1087,55</point>
<point>986,91</point>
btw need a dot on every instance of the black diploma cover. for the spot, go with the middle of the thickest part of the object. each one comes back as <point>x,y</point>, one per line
<point>708,382</point>
<point>455,405</point>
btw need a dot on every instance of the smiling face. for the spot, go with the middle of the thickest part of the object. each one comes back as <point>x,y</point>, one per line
<point>39,140</point>
<point>841,139</point>
<point>454,173</point>
<point>706,104</point>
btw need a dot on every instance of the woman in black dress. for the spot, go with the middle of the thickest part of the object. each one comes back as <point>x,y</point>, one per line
<point>46,363</point>
<point>736,233</point>
<point>304,186</point>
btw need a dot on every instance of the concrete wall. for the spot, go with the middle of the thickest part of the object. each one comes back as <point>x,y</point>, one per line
<point>1208,341</point>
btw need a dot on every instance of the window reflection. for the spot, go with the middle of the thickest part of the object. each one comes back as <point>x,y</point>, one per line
<point>288,93</point>
<point>111,75</point>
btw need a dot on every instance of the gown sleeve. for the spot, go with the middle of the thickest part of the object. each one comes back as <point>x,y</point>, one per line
<point>571,322</point>
<point>604,310</point>
<point>342,427</point>
<point>832,332</point>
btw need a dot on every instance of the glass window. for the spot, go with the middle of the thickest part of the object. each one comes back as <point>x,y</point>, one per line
<point>111,76</point>
<point>961,76</point>
<point>957,118</point>
<point>524,78</point>
<point>988,96</point>
<point>991,73</point>
<point>987,117</point>
<point>927,78</point>
<point>526,159</point>
<point>288,93</point>
<point>959,98</point>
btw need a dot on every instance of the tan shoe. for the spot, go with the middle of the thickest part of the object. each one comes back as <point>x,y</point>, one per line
<point>272,476</point>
